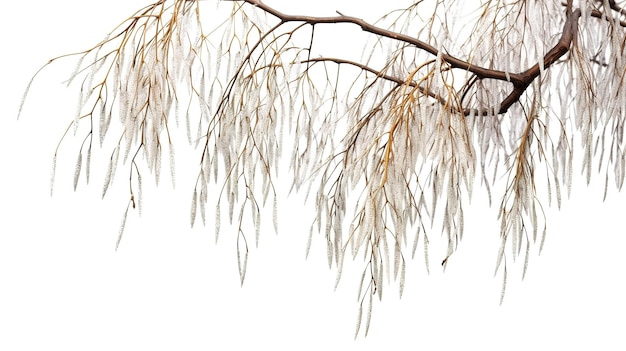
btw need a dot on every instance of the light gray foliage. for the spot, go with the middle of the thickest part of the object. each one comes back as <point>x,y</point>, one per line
<point>446,91</point>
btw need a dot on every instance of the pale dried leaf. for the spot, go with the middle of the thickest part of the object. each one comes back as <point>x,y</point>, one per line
<point>275,215</point>
<point>397,256</point>
<point>121,231</point>
<point>526,260</point>
<point>110,171</point>
<point>88,164</point>
<point>402,277</point>
<point>218,221</point>
<point>79,163</point>
<point>194,205</point>
<point>139,194</point>
<point>242,260</point>
<point>369,314</point>
<point>359,317</point>
<point>503,290</point>
<point>52,173</point>
<point>172,165</point>
<point>308,242</point>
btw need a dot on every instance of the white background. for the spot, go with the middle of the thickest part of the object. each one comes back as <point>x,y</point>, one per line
<point>64,287</point>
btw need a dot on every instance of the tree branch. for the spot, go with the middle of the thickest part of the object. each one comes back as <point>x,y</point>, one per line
<point>520,81</point>
<point>561,48</point>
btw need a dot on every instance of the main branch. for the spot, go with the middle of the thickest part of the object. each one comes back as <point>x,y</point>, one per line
<point>520,81</point>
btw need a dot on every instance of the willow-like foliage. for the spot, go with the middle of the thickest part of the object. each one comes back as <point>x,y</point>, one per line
<point>445,92</point>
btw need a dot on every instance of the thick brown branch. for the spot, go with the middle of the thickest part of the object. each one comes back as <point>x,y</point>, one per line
<point>570,29</point>
<point>520,81</point>
<point>615,7</point>
<point>454,62</point>
<point>601,15</point>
